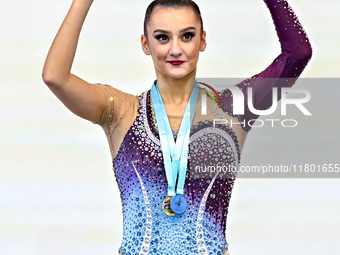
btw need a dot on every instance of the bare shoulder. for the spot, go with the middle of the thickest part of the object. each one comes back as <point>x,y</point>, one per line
<point>118,105</point>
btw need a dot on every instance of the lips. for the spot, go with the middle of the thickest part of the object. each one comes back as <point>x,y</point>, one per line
<point>176,63</point>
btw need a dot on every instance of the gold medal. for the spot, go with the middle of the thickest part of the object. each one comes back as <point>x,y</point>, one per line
<point>166,206</point>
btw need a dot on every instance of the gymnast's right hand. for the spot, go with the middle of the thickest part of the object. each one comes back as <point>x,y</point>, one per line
<point>82,98</point>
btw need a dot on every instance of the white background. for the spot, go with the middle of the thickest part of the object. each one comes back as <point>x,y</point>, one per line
<point>58,194</point>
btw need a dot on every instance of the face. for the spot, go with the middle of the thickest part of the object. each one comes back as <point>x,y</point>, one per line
<point>174,35</point>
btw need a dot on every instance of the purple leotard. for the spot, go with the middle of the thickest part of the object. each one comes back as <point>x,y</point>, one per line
<point>138,160</point>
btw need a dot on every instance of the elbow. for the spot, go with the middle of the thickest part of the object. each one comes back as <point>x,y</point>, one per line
<point>48,78</point>
<point>299,53</point>
<point>305,58</point>
<point>307,53</point>
<point>304,54</point>
<point>51,79</point>
<point>297,62</point>
<point>302,57</point>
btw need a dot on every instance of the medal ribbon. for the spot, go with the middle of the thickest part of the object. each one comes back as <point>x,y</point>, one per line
<point>175,154</point>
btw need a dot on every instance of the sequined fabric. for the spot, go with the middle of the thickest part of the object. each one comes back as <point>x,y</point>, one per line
<point>226,252</point>
<point>138,165</point>
<point>140,174</point>
<point>296,52</point>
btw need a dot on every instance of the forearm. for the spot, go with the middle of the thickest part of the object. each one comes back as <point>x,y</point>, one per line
<point>296,49</point>
<point>60,57</point>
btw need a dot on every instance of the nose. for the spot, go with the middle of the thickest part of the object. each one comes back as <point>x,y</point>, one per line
<point>175,48</point>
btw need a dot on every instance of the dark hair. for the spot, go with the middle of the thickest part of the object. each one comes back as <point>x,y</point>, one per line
<point>171,4</point>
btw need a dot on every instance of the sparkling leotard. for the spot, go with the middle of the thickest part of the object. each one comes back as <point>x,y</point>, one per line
<point>133,137</point>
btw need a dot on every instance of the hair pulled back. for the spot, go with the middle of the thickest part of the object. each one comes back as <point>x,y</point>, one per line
<point>171,4</point>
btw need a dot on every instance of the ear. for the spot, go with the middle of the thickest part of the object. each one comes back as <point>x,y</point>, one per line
<point>203,41</point>
<point>145,45</point>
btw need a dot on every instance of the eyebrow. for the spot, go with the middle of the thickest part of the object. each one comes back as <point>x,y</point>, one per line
<point>168,32</point>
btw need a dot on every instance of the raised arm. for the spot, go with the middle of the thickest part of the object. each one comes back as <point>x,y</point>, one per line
<point>296,52</point>
<point>82,98</point>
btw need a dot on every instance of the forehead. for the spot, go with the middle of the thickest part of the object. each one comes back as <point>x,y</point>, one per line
<point>173,18</point>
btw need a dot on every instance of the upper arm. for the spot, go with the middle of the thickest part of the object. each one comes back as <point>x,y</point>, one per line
<point>84,99</point>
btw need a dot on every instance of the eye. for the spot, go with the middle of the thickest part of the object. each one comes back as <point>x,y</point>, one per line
<point>188,36</point>
<point>160,37</point>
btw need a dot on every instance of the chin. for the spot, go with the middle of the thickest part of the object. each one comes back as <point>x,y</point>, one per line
<point>175,73</point>
<point>178,75</point>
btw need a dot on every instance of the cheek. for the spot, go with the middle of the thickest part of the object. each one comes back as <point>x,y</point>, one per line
<point>158,53</point>
<point>162,53</point>
<point>194,51</point>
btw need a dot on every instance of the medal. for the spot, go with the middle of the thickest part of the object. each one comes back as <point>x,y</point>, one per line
<point>175,155</point>
<point>166,206</point>
<point>178,204</point>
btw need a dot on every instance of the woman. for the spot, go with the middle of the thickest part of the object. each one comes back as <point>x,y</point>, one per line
<point>169,207</point>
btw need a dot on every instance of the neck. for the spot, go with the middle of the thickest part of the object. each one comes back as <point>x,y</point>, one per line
<point>175,92</point>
